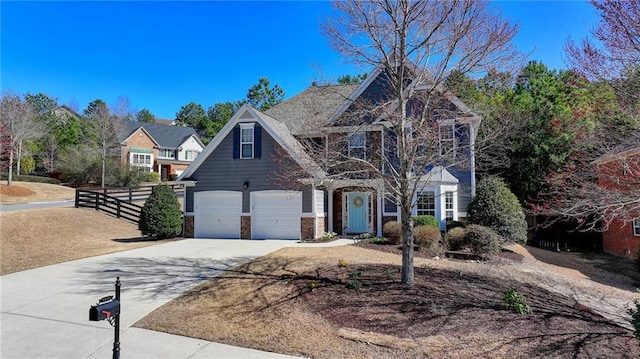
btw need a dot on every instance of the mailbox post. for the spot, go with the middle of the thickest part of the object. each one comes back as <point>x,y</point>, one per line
<point>109,308</point>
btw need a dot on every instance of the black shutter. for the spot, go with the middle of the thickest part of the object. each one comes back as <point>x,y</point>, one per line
<point>236,142</point>
<point>257,142</point>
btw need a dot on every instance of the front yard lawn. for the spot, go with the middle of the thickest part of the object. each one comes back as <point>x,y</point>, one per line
<point>304,301</point>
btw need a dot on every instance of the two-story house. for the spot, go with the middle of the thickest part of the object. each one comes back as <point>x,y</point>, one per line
<point>264,175</point>
<point>154,147</point>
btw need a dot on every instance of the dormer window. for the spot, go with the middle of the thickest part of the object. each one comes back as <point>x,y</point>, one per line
<point>246,140</point>
<point>357,145</point>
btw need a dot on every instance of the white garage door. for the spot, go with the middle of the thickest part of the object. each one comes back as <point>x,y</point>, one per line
<point>276,214</point>
<point>217,214</point>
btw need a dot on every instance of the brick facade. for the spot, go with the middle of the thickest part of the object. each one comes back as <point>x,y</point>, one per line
<point>338,225</point>
<point>307,226</point>
<point>620,241</point>
<point>621,174</point>
<point>245,227</point>
<point>138,139</point>
<point>189,226</point>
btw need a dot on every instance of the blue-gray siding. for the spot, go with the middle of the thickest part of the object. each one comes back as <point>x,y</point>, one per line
<point>220,171</point>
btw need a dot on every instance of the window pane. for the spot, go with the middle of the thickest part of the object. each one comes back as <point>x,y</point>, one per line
<point>246,135</point>
<point>356,140</point>
<point>448,200</point>
<point>426,204</point>
<point>247,150</point>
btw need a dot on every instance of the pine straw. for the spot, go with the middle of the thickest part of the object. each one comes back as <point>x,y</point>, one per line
<point>24,192</point>
<point>35,238</point>
<point>455,310</point>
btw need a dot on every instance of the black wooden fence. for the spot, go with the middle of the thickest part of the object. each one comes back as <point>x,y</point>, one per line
<point>116,201</point>
<point>135,193</point>
<point>108,204</point>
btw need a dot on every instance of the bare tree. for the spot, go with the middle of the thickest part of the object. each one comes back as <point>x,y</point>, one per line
<point>415,44</point>
<point>602,183</point>
<point>103,129</point>
<point>19,125</point>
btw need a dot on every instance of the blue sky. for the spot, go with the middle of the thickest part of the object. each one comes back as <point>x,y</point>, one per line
<point>163,55</point>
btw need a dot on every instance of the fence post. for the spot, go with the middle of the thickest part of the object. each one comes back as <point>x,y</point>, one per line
<point>130,194</point>
<point>118,208</point>
<point>77,198</point>
<point>97,195</point>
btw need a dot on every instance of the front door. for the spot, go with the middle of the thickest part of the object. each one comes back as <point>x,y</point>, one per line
<point>357,212</point>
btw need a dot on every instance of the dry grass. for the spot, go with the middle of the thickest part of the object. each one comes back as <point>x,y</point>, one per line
<point>268,304</point>
<point>24,192</point>
<point>35,238</point>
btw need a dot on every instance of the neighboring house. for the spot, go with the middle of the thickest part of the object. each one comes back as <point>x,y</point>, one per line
<point>238,188</point>
<point>621,172</point>
<point>154,147</point>
<point>64,110</point>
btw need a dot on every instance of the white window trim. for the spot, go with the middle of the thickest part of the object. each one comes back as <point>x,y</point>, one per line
<point>636,227</point>
<point>439,191</point>
<point>149,165</point>
<point>187,152</point>
<point>247,126</point>
<point>451,140</point>
<point>161,153</point>
<point>363,147</point>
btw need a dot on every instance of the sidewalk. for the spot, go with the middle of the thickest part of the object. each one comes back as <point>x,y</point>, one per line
<point>45,311</point>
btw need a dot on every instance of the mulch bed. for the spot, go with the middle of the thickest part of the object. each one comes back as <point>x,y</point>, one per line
<point>15,191</point>
<point>503,257</point>
<point>462,306</point>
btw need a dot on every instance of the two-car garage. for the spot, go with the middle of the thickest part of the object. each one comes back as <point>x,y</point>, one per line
<point>274,214</point>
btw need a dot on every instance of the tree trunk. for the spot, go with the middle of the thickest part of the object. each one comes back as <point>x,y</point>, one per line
<point>18,155</point>
<point>10,176</point>
<point>407,244</point>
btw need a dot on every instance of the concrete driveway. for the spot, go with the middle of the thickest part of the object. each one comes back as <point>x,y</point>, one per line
<point>45,311</point>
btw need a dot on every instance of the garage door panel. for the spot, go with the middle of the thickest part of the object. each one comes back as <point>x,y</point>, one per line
<point>276,214</point>
<point>217,214</point>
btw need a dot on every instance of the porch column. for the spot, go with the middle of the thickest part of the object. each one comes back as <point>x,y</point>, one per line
<point>314,210</point>
<point>379,216</point>
<point>330,210</point>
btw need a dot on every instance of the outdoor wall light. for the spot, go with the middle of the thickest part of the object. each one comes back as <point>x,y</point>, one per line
<point>245,185</point>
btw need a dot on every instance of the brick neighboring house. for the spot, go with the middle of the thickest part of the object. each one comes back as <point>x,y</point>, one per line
<point>621,172</point>
<point>154,147</point>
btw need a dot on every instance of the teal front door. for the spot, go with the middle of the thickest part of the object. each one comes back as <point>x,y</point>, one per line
<point>357,212</point>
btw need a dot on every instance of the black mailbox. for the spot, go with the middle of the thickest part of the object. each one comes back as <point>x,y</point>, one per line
<point>104,310</point>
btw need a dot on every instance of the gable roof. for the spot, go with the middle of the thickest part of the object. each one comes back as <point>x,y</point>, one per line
<point>276,129</point>
<point>164,135</point>
<point>311,108</point>
<point>439,174</point>
<point>66,109</point>
<point>372,90</point>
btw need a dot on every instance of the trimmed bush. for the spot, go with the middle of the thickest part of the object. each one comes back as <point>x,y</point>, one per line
<point>482,241</point>
<point>27,178</point>
<point>496,207</point>
<point>161,215</point>
<point>392,231</point>
<point>426,220</point>
<point>455,238</point>
<point>152,177</point>
<point>427,238</point>
<point>451,224</point>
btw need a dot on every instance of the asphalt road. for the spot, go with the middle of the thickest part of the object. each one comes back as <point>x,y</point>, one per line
<point>35,205</point>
